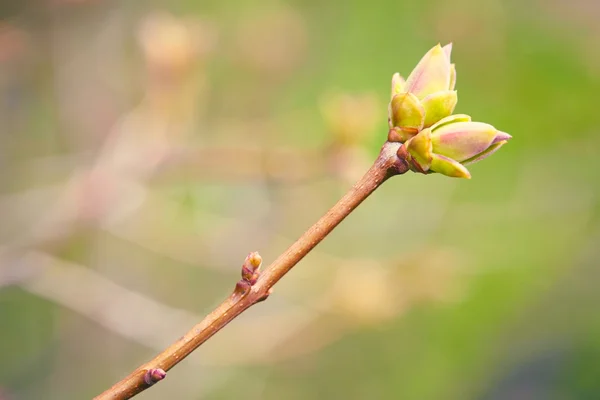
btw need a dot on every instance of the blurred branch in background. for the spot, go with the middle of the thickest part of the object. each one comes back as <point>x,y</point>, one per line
<point>141,159</point>
<point>131,315</point>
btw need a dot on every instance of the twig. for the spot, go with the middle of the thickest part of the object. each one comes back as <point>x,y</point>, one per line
<point>251,290</point>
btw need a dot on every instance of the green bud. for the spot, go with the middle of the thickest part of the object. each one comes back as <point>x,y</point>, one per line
<point>451,143</point>
<point>419,148</point>
<point>462,140</point>
<point>406,112</point>
<point>438,105</point>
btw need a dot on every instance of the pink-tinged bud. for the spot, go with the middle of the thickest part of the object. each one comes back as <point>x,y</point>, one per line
<point>254,259</point>
<point>452,143</point>
<point>251,266</point>
<point>485,154</point>
<point>406,112</point>
<point>438,105</point>
<point>462,140</point>
<point>501,137</point>
<point>154,375</point>
<point>432,73</point>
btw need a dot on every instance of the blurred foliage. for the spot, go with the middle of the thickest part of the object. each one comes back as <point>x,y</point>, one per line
<point>143,154</point>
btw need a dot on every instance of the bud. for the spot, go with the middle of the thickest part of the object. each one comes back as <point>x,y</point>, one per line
<point>154,375</point>
<point>407,113</point>
<point>432,73</point>
<point>254,259</point>
<point>451,143</point>
<point>427,95</point>
<point>251,267</point>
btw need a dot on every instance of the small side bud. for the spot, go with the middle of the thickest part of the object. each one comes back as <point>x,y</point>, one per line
<point>251,266</point>
<point>254,259</point>
<point>154,375</point>
<point>250,273</point>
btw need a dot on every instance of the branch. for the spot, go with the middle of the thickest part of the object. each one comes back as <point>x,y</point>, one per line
<point>254,288</point>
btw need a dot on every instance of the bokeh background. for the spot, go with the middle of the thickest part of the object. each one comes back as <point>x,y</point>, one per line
<point>147,147</point>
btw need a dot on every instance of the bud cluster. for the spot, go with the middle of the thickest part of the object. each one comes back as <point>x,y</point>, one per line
<point>420,116</point>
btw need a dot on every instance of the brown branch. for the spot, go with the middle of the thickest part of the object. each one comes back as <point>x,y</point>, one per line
<point>250,291</point>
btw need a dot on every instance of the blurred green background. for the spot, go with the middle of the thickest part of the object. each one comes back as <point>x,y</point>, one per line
<point>147,147</point>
